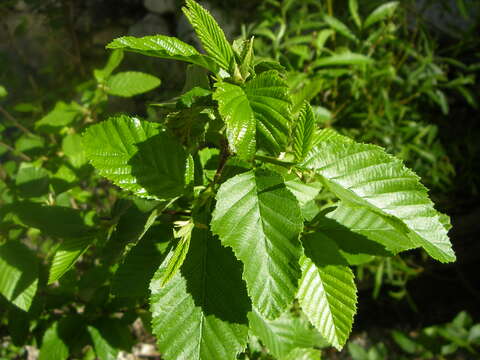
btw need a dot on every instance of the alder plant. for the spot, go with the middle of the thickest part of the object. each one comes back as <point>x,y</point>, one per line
<point>249,238</point>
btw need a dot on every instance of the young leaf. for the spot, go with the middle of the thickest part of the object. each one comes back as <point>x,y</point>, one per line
<point>164,47</point>
<point>340,27</point>
<point>201,313</point>
<point>367,176</point>
<point>304,132</point>
<point>138,156</point>
<point>250,209</point>
<point>239,118</point>
<point>176,257</point>
<point>382,12</point>
<point>285,334</point>
<point>210,34</point>
<point>18,274</point>
<point>72,147</point>
<point>131,83</point>
<point>353,7</point>
<point>66,255</point>
<point>327,292</point>
<point>114,61</point>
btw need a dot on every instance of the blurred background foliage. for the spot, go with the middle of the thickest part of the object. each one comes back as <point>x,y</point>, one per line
<point>402,75</point>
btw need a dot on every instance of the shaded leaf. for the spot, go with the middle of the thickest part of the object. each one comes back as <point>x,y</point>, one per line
<point>134,274</point>
<point>201,313</point>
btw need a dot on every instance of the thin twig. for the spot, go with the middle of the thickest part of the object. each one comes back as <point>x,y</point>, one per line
<point>16,152</point>
<point>14,121</point>
<point>224,155</point>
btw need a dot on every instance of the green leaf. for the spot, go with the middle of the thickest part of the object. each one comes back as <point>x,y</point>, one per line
<point>134,274</point>
<point>114,60</point>
<point>285,334</point>
<point>62,338</point>
<point>382,12</point>
<point>201,313</point>
<point>210,34</point>
<point>266,100</point>
<point>139,156</point>
<point>304,133</point>
<point>31,181</point>
<point>238,115</point>
<point>62,115</point>
<point>53,346</point>
<point>303,354</point>
<point>164,47</point>
<point>66,255</point>
<point>353,7</point>
<point>109,336</point>
<point>56,221</point>
<point>327,292</point>
<point>367,176</point>
<point>72,147</point>
<point>3,92</point>
<point>131,83</point>
<point>305,194</point>
<point>250,210</point>
<point>366,223</point>
<point>342,59</point>
<point>340,27</point>
<point>18,274</point>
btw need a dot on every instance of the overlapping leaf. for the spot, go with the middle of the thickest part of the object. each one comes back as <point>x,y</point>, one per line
<point>135,272</point>
<point>327,292</point>
<point>260,219</point>
<point>201,313</point>
<point>366,175</point>
<point>210,34</point>
<point>164,47</point>
<point>346,219</point>
<point>239,118</point>
<point>138,156</point>
<point>285,334</point>
<point>261,107</point>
